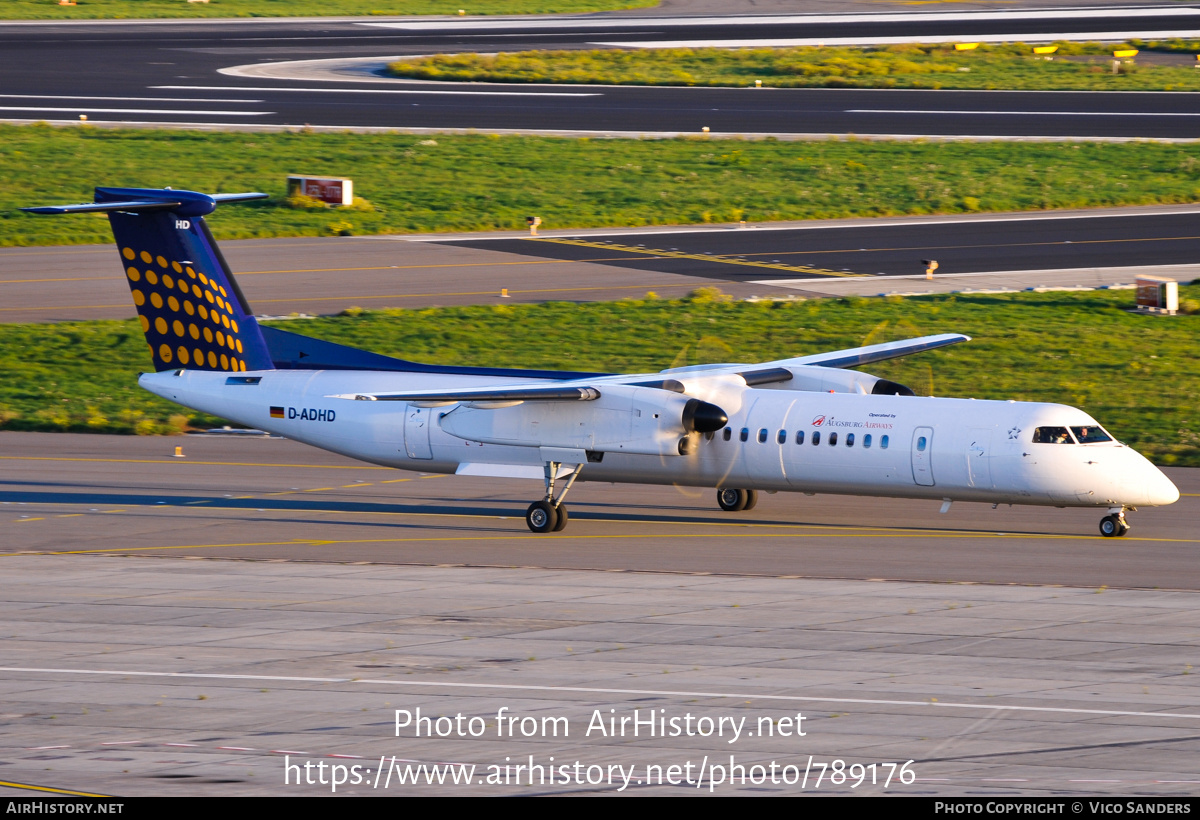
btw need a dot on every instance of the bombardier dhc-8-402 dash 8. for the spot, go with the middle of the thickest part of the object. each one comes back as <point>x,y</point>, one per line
<point>807,424</point>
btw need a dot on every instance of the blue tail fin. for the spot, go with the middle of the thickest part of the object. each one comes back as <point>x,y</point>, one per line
<point>192,311</point>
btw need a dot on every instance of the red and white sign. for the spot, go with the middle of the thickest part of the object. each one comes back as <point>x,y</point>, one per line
<point>327,189</point>
<point>1157,294</point>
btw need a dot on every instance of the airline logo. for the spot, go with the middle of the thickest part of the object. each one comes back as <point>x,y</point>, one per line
<point>833,421</point>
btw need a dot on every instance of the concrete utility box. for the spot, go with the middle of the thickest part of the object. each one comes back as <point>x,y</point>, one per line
<point>1157,294</point>
<point>327,189</point>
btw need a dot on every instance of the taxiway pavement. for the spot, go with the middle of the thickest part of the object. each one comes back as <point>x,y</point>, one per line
<point>270,498</point>
<point>128,676</point>
<point>313,275</point>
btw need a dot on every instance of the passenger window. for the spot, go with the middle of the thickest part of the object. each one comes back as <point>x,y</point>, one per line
<point>745,436</point>
<point>781,437</point>
<point>762,436</point>
<point>883,442</point>
<point>1090,434</point>
<point>921,444</point>
<point>1052,435</point>
<point>816,437</point>
<point>799,436</point>
<point>832,439</point>
<point>727,434</point>
<point>867,441</point>
<point>849,439</point>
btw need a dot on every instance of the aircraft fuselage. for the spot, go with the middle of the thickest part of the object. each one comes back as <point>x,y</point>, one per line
<point>776,439</point>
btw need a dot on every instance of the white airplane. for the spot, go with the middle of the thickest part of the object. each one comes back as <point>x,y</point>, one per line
<point>805,424</point>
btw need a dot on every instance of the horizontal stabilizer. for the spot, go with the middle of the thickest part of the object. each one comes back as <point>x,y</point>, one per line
<point>101,207</point>
<point>140,200</point>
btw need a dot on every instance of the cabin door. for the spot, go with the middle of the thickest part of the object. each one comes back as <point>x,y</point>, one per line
<point>416,432</point>
<point>979,469</point>
<point>922,451</point>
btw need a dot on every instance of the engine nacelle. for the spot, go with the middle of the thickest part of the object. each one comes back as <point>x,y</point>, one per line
<point>834,380</point>
<point>623,420</point>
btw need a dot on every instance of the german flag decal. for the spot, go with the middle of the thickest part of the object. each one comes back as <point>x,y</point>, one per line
<point>276,412</point>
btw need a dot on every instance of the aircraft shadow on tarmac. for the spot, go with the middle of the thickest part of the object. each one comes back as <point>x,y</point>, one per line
<point>583,511</point>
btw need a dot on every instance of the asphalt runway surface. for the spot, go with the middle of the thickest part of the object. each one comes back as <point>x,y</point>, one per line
<point>171,73</point>
<point>311,275</point>
<point>262,498</point>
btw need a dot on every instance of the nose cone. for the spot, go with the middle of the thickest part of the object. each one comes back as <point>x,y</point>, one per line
<point>1160,490</point>
<point>1142,482</point>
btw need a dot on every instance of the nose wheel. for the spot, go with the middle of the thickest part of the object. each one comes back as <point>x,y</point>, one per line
<point>1114,525</point>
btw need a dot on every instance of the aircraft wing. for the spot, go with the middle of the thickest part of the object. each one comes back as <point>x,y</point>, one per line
<point>759,374</point>
<point>858,356</point>
<point>515,393</point>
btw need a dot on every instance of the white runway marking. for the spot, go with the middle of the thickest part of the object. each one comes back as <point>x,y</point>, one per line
<point>867,40</point>
<point>380,91</point>
<point>953,111</point>
<point>782,19</point>
<point>607,691</point>
<point>163,112</point>
<point>125,99</point>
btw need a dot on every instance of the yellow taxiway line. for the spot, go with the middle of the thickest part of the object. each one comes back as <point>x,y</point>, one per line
<point>28,787</point>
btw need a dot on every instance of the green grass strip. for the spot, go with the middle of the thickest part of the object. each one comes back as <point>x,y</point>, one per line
<point>469,183</point>
<point>147,9</point>
<point>1137,374</point>
<point>1161,66</point>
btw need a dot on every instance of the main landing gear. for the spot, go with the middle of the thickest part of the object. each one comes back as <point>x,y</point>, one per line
<point>732,500</point>
<point>1114,525</point>
<point>549,514</point>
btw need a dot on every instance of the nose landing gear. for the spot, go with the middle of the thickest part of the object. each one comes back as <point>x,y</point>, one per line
<point>1114,525</point>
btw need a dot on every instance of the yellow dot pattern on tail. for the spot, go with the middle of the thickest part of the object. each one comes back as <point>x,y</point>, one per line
<point>170,295</point>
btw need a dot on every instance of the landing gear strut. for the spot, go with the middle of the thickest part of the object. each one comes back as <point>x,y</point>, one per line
<point>549,514</point>
<point>1114,525</point>
<point>731,500</point>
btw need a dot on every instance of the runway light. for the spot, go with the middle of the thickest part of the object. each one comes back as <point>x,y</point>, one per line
<point>704,129</point>
<point>758,83</point>
<point>966,46</point>
<point>179,453</point>
<point>930,266</point>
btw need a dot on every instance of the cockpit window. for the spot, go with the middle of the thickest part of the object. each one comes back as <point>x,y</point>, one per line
<point>1052,435</point>
<point>1090,434</point>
